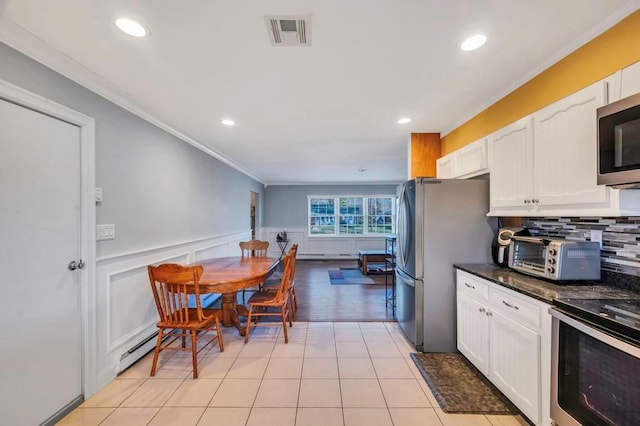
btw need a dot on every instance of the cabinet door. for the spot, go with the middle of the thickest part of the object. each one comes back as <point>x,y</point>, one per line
<point>565,150</point>
<point>445,167</point>
<point>515,363</point>
<point>630,80</point>
<point>473,332</point>
<point>472,159</point>
<point>511,165</point>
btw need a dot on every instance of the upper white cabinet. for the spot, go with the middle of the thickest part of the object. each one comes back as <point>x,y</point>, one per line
<point>445,167</point>
<point>511,160</point>
<point>467,162</point>
<point>564,141</point>
<point>545,164</point>
<point>630,80</point>
<point>472,159</point>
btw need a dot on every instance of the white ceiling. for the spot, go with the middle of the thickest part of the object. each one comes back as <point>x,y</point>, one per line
<point>307,114</point>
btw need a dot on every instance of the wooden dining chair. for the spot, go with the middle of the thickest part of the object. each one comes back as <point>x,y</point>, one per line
<point>254,248</point>
<point>272,286</point>
<point>261,302</point>
<point>172,285</point>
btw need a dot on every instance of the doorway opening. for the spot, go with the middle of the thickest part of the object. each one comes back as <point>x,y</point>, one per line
<point>253,213</point>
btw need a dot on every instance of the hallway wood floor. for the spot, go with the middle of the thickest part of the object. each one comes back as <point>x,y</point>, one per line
<point>318,300</point>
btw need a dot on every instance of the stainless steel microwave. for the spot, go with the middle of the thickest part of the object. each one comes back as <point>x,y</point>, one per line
<point>619,142</point>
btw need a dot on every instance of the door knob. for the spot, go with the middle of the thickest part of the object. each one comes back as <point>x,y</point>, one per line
<point>73,265</point>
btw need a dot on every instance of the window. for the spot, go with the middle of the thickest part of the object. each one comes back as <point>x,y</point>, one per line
<point>351,215</point>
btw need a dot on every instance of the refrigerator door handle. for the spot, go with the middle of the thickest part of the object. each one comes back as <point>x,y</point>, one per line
<point>405,279</point>
<point>402,226</point>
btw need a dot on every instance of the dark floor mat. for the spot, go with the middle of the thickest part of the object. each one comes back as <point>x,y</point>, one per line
<point>459,387</point>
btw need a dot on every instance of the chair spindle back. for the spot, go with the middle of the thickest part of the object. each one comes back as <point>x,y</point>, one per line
<point>172,284</point>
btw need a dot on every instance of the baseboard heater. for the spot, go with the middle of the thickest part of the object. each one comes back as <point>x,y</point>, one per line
<point>139,345</point>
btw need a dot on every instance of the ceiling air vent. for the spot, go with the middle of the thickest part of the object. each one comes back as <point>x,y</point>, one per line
<point>292,30</point>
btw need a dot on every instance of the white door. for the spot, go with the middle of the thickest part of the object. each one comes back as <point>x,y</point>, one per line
<point>515,365</point>
<point>511,166</point>
<point>40,353</point>
<point>565,150</point>
<point>473,332</point>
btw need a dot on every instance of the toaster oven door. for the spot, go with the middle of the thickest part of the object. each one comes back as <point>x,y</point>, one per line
<point>528,254</point>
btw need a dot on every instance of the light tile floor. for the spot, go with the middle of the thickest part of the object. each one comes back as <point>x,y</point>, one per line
<point>343,373</point>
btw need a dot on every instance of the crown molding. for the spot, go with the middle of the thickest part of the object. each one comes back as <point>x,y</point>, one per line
<point>37,49</point>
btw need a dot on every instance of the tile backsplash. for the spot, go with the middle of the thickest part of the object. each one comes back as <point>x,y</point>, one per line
<point>620,238</point>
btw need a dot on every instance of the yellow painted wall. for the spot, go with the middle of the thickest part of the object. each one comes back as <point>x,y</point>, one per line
<point>614,49</point>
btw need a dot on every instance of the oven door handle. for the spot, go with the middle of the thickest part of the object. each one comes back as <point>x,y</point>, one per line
<point>533,240</point>
<point>595,333</point>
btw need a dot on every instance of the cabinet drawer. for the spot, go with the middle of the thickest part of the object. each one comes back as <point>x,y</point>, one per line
<point>515,307</point>
<point>472,286</point>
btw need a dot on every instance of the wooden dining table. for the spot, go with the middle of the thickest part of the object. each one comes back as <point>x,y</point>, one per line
<point>228,275</point>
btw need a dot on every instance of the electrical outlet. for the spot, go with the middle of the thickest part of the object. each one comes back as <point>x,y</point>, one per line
<point>596,236</point>
<point>105,232</point>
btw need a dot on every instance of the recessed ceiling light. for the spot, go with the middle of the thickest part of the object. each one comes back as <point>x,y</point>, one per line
<point>473,42</point>
<point>131,27</point>
<point>228,122</point>
<point>404,120</point>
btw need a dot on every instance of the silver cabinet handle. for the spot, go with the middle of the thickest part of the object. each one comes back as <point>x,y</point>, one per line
<point>481,309</point>
<point>470,286</point>
<point>510,305</point>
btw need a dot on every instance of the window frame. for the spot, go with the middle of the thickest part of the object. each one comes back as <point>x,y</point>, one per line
<point>365,215</point>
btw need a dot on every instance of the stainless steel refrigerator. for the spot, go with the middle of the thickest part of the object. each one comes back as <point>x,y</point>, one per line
<point>440,222</point>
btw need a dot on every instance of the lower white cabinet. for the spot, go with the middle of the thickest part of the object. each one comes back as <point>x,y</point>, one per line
<point>514,364</point>
<point>473,332</point>
<point>507,336</point>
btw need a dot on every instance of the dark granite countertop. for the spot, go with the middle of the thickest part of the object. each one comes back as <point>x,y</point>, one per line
<point>544,290</point>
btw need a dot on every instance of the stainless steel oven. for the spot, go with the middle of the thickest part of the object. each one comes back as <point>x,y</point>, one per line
<point>595,362</point>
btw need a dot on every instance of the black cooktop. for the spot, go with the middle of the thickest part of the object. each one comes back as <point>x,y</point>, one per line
<point>619,317</point>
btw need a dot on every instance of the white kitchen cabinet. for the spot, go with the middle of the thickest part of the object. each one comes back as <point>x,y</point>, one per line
<point>630,80</point>
<point>507,336</point>
<point>472,160</point>
<point>545,164</point>
<point>515,363</point>
<point>473,331</point>
<point>565,147</point>
<point>511,162</point>
<point>464,163</point>
<point>445,167</point>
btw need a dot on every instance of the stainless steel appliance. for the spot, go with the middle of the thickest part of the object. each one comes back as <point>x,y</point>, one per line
<point>595,362</point>
<point>555,259</point>
<point>501,242</point>
<point>440,222</point>
<point>619,142</point>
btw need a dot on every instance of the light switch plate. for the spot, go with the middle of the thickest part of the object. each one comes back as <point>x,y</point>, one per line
<point>106,232</point>
<point>596,236</point>
<point>98,195</point>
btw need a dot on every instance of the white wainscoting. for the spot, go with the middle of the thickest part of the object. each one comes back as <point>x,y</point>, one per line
<point>321,247</point>
<point>126,312</point>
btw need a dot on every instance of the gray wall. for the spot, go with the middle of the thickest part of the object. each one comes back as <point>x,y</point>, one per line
<point>286,205</point>
<point>158,190</point>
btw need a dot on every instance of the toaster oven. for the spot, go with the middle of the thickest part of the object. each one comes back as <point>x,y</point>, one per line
<point>555,259</point>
